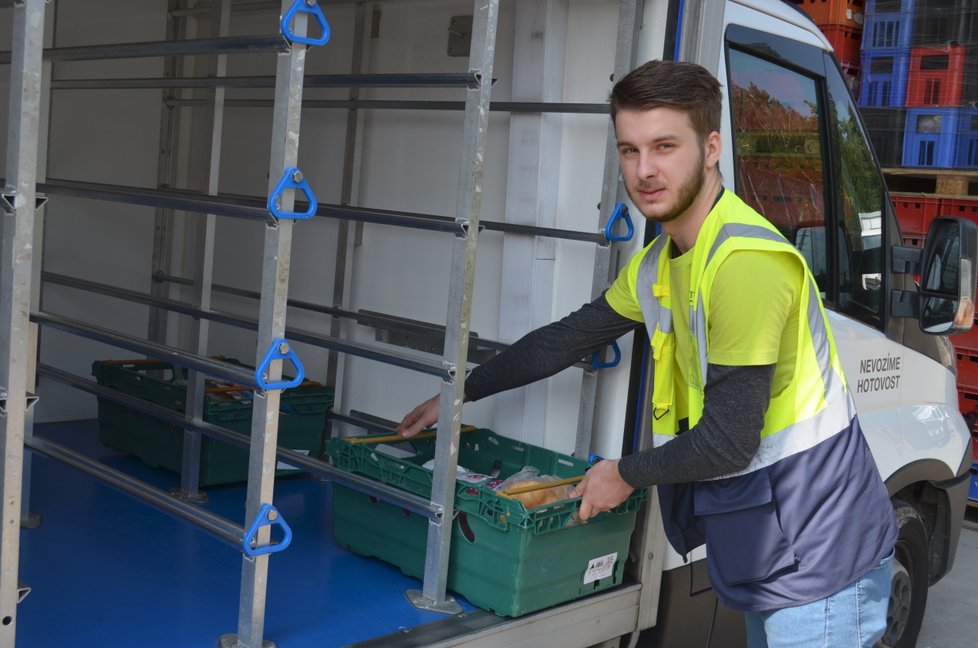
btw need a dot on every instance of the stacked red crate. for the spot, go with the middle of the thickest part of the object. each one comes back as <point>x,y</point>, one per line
<point>936,75</point>
<point>835,12</point>
<point>965,344</point>
<point>846,42</point>
<point>842,23</point>
<point>914,212</point>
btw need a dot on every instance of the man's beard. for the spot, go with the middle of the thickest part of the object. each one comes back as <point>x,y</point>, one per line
<point>689,190</point>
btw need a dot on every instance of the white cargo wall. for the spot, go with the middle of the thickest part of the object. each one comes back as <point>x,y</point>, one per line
<point>98,136</point>
<point>409,162</point>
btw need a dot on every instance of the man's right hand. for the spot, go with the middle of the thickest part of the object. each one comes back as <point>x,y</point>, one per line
<point>423,416</point>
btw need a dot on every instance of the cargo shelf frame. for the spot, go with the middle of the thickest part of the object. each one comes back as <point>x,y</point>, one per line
<point>464,227</point>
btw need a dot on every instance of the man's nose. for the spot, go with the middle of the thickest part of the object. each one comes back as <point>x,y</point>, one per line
<point>647,168</point>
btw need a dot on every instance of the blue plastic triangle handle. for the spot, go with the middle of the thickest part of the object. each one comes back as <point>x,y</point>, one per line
<point>302,6</point>
<point>620,213</point>
<point>596,357</point>
<point>268,515</point>
<point>293,179</point>
<point>280,350</point>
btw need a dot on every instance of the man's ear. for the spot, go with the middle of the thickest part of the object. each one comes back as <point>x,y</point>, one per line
<point>713,148</point>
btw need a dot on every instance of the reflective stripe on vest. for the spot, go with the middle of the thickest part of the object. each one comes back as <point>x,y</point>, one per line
<point>812,408</point>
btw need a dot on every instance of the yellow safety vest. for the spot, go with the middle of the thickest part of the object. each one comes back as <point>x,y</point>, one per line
<point>815,404</point>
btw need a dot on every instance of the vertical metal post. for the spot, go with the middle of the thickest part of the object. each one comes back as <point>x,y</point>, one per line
<point>204,271</point>
<point>629,22</point>
<point>15,286</point>
<point>173,67</point>
<point>30,520</point>
<point>271,324</point>
<point>343,265</point>
<point>468,207</point>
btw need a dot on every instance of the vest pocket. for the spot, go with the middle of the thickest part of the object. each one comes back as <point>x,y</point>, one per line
<point>744,540</point>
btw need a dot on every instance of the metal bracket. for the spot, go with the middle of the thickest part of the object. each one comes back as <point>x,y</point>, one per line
<point>231,641</point>
<point>422,602</point>
<point>422,336</point>
<point>279,350</point>
<point>267,516</point>
<point>599,364</point>
<point>460,36</point>
<point>31,401</point>
<point>200,497</point>
<point>620,213</point>
<point>292,179</point>
<point>904,303</point>
<point>310,7</point>
<point>9,201</point>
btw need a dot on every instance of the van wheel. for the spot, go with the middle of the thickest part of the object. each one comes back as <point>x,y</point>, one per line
<point>911,577</point>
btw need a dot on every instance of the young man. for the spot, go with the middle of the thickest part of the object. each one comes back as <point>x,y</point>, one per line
<point>757,450</point>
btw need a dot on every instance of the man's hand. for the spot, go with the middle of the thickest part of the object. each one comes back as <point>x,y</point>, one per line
<point>422,416</point>
<point>602,489</point>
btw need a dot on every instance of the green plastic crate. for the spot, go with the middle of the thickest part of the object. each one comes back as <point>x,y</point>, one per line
<point>302,419</point>
<point>504,558</point>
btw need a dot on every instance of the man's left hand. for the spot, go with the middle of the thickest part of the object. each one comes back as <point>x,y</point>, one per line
<point>602,489</point>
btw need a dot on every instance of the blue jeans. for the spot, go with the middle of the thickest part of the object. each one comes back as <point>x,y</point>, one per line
<point>853,617</point>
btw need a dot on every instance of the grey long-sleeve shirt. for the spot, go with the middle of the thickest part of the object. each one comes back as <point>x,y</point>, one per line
<point>723,441</point>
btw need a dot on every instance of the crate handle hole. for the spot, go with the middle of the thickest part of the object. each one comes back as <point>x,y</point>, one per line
<point>463,526</point>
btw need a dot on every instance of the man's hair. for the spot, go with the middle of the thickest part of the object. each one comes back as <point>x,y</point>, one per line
<point>674,84</point>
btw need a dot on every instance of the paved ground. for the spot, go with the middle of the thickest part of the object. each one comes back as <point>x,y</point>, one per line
<point>951,620</point>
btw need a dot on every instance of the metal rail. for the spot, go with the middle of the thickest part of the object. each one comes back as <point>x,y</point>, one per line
<point>446,80</point>
<point>254,208</point>
<point>224,529</point>
<point>376,320</point>
<point>207,365</point>
<point>412,104</point>
<point>195,47</point>
<point>401,498</point>
<point>152,349</point>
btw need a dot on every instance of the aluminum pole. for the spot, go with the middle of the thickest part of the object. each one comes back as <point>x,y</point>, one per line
<point>468,209</point>
<point>204,270</point>
<point>15,287</point>
<point>271,325</point>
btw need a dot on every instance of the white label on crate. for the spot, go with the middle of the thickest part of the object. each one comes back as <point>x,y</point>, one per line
<point>599,568</point>
<point>471,477</point>
<point>287,466</point>
<point>391,451</point>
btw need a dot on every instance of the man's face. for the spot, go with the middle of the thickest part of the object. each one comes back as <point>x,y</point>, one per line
<point>662,161</point>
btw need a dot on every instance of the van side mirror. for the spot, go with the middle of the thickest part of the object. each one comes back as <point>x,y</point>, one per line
<point>948,266</point>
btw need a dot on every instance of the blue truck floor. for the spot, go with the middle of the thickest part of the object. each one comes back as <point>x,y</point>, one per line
<point>110,571</point>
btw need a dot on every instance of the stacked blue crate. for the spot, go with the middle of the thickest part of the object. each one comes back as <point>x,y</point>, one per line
<point>967,144</point>
<point>888,24</point>
<point>939,137</point>
<point>884,80</point>
<point>930,137</point>
<point>885,54</point>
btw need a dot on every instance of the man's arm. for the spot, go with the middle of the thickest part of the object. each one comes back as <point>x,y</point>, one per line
<point>722,442</point>
<point>538,354</point>
<point>549,349</point>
